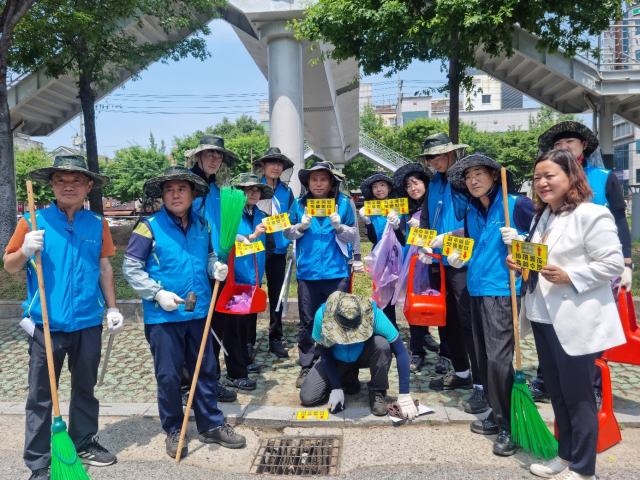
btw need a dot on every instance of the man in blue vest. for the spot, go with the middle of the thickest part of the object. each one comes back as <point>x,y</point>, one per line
<point>75,246</point>
<point>273,164</point>
<point>476,181</point>
<point>170,255</point>
<point>322,252</point>
<point>441,154</point>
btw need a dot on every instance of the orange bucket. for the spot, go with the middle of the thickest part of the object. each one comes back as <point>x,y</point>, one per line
<point>627,352</point>
<point>258,298</point>
<point>425,310</point>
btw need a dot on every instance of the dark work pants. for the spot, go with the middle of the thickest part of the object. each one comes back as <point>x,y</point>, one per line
<point>83,350</point>
<point>252,327</point>
<point>539,380</point>
<point>390,312</point>
<point>311,295</point>
<point>275,269</point>
<point>376,356</point>
<point>493,334</point>
<point>569,381</point>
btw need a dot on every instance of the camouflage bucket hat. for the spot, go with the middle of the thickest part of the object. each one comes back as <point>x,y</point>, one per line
<point>273,154</point>
<point>245,180</point>
<point>215,143</point>
<point>153,186</point>
<point>67,163</point>
<point>439,143</point>
<point>548,138</point>
<point>347,319</point>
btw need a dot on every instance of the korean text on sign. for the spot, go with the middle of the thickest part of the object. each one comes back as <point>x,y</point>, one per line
<point>399,205</point>
<point>461,245</point>
<point>532,256</point>
<point>421,236</point>
<point>375,207</point>
<point>277,223</point>
<point>312,415</point>
<point>244,249</point>
<point>321,207</point>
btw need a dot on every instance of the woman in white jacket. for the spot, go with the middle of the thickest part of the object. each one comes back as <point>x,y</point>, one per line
<point>570,307</point>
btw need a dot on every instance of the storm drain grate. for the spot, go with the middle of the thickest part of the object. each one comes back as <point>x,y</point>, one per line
<point>299,456</point>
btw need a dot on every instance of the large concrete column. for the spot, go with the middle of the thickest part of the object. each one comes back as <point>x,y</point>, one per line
<point>605,132</point>
<point>286,116</point>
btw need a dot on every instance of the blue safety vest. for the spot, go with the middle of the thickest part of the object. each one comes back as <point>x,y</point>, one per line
<point>318,255</point>
<point>446,220</point>
<point>245,267</point>
<point>281,197</point>
<point>71,270</point>
<point>597,178</point>
<point>211,212</point>
<point>179,264</point>
<point>488,274</point>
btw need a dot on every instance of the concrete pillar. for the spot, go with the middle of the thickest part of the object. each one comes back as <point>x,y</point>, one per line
<point>605,133</point>
<point>635,212</point>
<point>286,116</point>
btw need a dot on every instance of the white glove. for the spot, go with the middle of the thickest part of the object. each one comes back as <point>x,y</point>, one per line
<point>364,218</point>
<point>305,221</point>
<point>407,406</point>
<point>336,401</point>
<point>168,300</point>
<point>115,321</point>
<point>242,239</point>
<point>33,241</point>
<point>454,260</point>
<point>413,223</point>
<point>358,267</point>
<point>509,235</point>
<point>220,271</point>
<point>626,278</point>
<point>423,257</point>
<point>334,218</point>
<point>438,242</point>
<point>393,220</point>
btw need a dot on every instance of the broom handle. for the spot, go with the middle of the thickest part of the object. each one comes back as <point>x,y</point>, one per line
<point>512,277</point>
<point>196,372</point>
<point>43,303</point>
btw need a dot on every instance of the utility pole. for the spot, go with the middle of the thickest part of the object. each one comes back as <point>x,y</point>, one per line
<point>81,136</point>
<point>399,105</point>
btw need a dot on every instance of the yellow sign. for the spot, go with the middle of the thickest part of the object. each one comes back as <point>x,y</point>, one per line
<point>532,256</point>
<point>321,207</point>
<point>399,205</point>
<point>312,415</point>
<point>461,245</point>
<point>421,236</point>
<point>375,207</point>
<point>243,249</point>
<point>277,223</point>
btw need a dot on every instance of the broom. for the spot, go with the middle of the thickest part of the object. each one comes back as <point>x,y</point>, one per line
<point>65,464</point>
<point>527,427</point>
<point>232,203</point>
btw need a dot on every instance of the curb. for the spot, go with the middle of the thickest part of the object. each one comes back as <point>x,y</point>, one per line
<point>281,417</point>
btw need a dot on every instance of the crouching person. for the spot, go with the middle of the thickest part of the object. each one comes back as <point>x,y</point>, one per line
<point>170,255</point>
<point>354,333</point>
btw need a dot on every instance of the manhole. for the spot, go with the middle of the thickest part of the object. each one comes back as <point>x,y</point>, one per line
<point>299,456</point>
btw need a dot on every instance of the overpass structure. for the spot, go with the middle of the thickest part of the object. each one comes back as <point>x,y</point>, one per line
<point>319,102</point>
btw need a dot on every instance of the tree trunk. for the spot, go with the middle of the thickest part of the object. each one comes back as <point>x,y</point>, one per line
<point>87,100</point>
<point>8,204</point>
<point>454,103</point>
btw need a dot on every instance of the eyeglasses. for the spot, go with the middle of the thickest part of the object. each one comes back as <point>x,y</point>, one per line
<point>413,185</point>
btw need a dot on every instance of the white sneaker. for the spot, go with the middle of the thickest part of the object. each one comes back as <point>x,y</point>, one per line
<point>569,475</point>
<point>548,469</point>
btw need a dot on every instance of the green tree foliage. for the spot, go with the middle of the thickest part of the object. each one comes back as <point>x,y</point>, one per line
<point>27,160</point>
<point>357,170</point>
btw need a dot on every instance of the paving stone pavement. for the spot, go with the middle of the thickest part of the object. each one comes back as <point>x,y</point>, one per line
<point>130,378</point>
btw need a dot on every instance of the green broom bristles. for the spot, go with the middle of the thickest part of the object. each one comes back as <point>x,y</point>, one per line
<point>65,464</point>
<point>232,203</point>
<point>527,427</point>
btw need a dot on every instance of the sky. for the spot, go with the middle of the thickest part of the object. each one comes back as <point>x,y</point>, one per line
<point>181,97</point>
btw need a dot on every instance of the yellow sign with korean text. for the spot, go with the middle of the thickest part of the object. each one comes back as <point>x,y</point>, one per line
<point>321,207</point>
<point>399,205</point>
<point>375,207</point>
<point>421,236</point>
<point>312,415</point>
<point>277,223</point>
<point>461,245</point>
<point>243,249</point>
<point>532,256</point>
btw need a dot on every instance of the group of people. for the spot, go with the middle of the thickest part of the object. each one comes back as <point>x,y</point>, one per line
<point>173,253</point>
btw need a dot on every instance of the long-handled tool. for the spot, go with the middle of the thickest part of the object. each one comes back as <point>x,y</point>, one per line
<point>286,294</point>
<point>65,463</point>
<point>527,427</point>
<point>284,291</point>
<point>105,362</point>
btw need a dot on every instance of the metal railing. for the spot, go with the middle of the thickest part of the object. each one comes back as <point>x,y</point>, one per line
<point>617,48</point>
<point>12,80</point>
<point>382,151</point>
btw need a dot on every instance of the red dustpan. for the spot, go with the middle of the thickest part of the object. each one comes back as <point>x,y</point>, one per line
<point>258,297</point>
<point>426,310</point>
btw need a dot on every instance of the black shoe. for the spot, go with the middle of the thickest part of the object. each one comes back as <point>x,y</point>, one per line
<point>430,343</point>
<point>276,347</point>
<point>443,365</point>
<point>503,445</point>
<point>253,368</point>
<point>477,403</point>
<point>598,394</point>
<point>538,395</point>
<point>171,444</point>
<point>378,403</point>
<point>224,395</point>
<point>92,453</point>
<point>416,363</point>
<point>40,474</point>
<point>303,374</point>
<point>250,351</point>
<point>241,383</point>
<point>185,398</point>
<point>450,381</point>
<point>351,388</point>
<point>224,435</point>
<point>484,427</point>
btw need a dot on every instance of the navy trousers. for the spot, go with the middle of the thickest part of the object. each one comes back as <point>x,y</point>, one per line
<point>172,344</point>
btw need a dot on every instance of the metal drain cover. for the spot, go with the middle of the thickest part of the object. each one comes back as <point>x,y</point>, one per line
<point>298,456</point>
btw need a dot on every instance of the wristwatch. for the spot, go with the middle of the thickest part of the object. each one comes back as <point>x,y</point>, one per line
<point>630,265</point>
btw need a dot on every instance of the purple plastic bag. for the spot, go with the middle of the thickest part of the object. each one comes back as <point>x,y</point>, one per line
<point>384,264</point>
<point>420,274</point>
<point>241,303</point>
